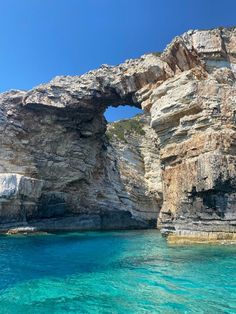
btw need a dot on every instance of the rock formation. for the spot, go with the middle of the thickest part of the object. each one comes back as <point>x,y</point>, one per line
<point>176,164</point>
<point>134,150</point>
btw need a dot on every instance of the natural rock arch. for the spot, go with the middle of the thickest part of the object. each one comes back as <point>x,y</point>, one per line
<point>54,151</point>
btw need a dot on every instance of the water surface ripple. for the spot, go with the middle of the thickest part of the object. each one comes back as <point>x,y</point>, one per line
<point>114,272</point>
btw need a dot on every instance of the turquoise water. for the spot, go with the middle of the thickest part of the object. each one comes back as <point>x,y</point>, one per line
<point>114,272</point>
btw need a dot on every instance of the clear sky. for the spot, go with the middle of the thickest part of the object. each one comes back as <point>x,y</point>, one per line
<point>43,38</point>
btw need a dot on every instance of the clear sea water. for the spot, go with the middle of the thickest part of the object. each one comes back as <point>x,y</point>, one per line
<point>114,272</point>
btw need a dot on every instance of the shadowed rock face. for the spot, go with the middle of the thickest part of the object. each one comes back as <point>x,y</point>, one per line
<point>180,169</point>
<point>134,152</point>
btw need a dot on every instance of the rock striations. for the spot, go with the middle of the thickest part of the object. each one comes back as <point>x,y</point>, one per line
<point>175,165</point>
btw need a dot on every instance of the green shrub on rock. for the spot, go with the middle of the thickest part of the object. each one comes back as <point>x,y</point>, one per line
<point>123,128</point>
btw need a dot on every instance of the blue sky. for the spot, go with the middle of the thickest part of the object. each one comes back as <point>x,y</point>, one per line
<point>43,38</point>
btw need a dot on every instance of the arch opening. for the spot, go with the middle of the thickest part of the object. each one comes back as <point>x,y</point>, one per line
<point>124,111</point>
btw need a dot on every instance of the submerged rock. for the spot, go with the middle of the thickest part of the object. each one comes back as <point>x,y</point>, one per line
<point>175,164</point>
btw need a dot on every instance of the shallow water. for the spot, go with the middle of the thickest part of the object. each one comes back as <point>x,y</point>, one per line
<point>114,272</point>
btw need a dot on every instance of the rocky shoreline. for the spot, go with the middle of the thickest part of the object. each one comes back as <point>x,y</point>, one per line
<point>198,237</point>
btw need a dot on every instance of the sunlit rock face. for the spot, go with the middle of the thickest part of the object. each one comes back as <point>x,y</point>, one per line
<point>197,139</point>
<point>193,114</point>
<point>179,169</point>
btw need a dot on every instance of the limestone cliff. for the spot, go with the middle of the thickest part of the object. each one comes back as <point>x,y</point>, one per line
<point>134,150</point>
<point>176,164</point>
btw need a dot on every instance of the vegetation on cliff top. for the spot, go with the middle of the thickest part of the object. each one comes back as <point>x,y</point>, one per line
<point>157,53</point>
<point>120,129</point>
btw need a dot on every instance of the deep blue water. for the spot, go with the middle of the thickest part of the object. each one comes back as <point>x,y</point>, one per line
<point>114,272</point>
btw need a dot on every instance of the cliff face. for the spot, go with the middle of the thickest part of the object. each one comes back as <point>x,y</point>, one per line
<point>134,150</point>
<point>194,117</point>
<point>58,170</point>
<point>176,164</point>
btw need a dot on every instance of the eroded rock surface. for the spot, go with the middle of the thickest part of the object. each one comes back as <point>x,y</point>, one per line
<point>133,152</point>
<point>194,117</point>
<point>60,171</point>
